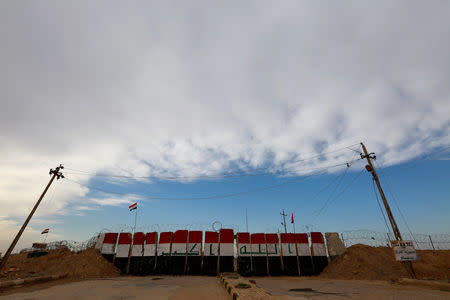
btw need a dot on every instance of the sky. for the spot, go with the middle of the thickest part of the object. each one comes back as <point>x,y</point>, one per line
<point>250,105</point>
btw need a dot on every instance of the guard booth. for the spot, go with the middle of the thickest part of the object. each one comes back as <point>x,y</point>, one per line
<point>178,252</point>
<point>289,253</point>
<point>194,262</point>
<point>304,254</point>
<point>163,260</point>
<point>137,249</point>
<point>109,246</point>
<point>149,258</point>
<point>319,252</point>
<point>273,254</point>
<point>259,254</point>
<point>210,253</point>
<point>244,252</point>
<point>123,251</point>
<point>226,250</point>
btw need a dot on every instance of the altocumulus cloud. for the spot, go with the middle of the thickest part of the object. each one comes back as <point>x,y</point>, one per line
<point>159,88</point>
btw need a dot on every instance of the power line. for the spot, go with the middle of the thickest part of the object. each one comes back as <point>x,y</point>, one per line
<point>344,190</point>
<point>226,175</point>
<point>379,205</point>
<point>322,171</point>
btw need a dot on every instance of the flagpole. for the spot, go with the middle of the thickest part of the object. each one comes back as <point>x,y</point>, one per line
<point>135,217</point>
<point>45,239</point>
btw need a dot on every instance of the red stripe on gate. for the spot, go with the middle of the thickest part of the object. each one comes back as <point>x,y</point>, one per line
<point>317,238</point>
<point>124,238</point>
<point>165,237</point>
<point>110,238</point>
<point>243,237</point>
<point>226,236</point>
<point>211,237</point>
<point>271,238</point>
<point>258,238</point>
<point>180,236</point>
<point>150,238</point>
<point>138,238</point>
<point>287,238</point>
<point>301,238</point>
<point>195,236</point>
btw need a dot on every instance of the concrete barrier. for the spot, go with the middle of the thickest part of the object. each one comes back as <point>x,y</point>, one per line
<point>244,252</point>
<point>273,254</point>
<point>123,252</point>
<point>335,245</point>
<point>226,246</point>
<point>149,257</point>
<point>179,252</point>
<point>319,252</point>
<point>304,254</point>
<point>289,254</point>
<point>109,246</point>
<point>163,260</point>
<point>136,256</point>
<point>259,254</point>
<point>194,262</point>
<point>98,243</point>
<point>210,253</point>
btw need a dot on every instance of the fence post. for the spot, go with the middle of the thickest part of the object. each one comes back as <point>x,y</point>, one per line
<point>431,242</point>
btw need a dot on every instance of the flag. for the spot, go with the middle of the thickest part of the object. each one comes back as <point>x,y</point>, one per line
<point>133,206</point>
<point>292,218</point>
<point>45,231</point>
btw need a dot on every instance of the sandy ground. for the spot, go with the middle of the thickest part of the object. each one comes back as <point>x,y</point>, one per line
<point>151,287</point>
<point>315,289</point>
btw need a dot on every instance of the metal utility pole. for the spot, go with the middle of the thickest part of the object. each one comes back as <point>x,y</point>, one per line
<point>284,220</point>
<point>56,173</point>
<point>370,168</point>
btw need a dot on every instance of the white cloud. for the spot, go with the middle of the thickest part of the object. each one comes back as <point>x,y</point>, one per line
<point>152,89</point>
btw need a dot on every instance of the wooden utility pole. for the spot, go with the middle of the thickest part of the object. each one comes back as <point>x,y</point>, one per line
<point>370,168</point>
<point>56,173</point>
<point>284,220</point>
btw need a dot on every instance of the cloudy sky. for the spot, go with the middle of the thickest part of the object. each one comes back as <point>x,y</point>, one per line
<point>194,88</point>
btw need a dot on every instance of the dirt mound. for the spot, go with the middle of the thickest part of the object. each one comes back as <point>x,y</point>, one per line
<point>378,263</point>
<point>85,264</point>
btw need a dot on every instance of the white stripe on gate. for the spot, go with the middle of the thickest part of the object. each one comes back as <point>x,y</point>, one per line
<point>303,249</point>
<point>164,249</point>
<point>245,250</point>
<point>122,250</point>
<point>136,250</point>
<point>226,249</point>
<point>319,249</point>
<point>288,249</point>
<point>273,250</point>
<point>108,248</point>
<point>149,250</point>
<point>211,249</point>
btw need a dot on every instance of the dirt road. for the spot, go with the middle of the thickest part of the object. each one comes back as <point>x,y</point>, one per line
<point>291,288</point>
<point>166,287</point>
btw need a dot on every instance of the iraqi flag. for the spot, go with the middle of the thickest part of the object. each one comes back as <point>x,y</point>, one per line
<point>45,231</point>
<point>292,218</point>
<point>133,206</point>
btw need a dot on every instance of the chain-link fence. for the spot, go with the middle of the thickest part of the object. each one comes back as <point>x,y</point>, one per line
<point>373,238</point>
